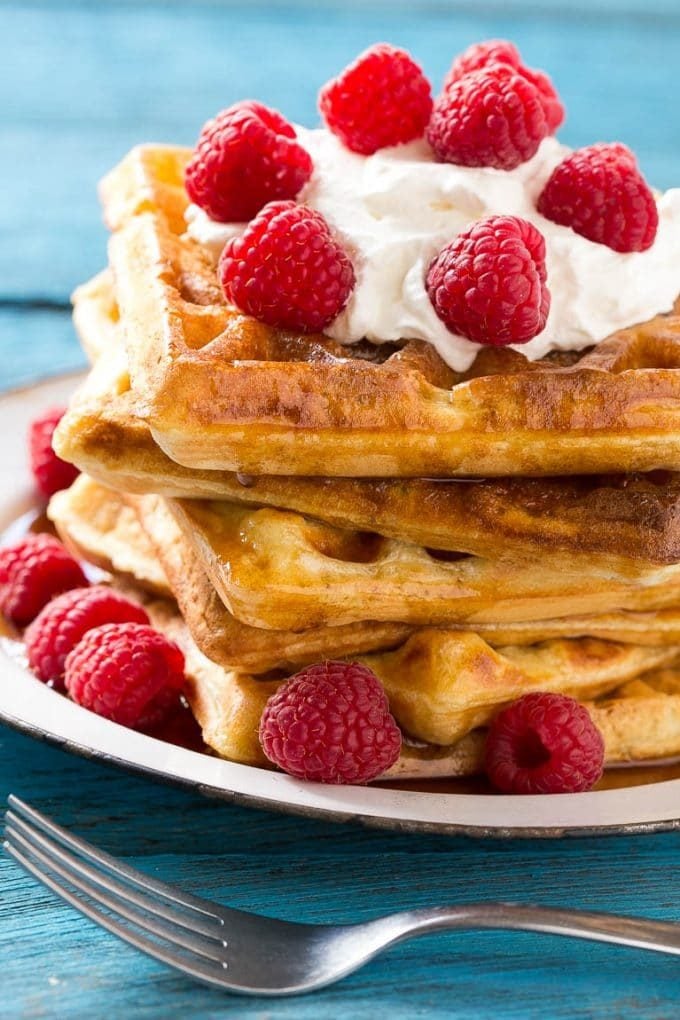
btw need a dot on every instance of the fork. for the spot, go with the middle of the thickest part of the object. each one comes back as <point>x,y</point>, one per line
<point>255,955</point>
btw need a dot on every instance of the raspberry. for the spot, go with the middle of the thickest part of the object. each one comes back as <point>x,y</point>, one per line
<point>600,193</point>
<point>247,156</point>
<point>32,572</point>
<point>50,472</point>
<point>63,622</point>
<point>287,270</point>
<point>491,117</point>
<point>499,51</point>
<point>126,672</point>
<point>488,284</point>
<point>382,99</point>
<point>331,723</point>
<point>544,743</point>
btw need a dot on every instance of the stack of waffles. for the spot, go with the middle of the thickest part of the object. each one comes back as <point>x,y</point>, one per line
<point>283,499</point>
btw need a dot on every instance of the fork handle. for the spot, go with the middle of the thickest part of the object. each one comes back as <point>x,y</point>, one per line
<point>659,936</point>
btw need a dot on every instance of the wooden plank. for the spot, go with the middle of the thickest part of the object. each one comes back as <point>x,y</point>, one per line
<point>534,8</point>
<point>156,72</point>
<point>89,80</point>
<point>35,342</point>
<point>308,870</point>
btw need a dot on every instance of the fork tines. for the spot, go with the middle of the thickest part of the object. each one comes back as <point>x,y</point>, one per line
<point>168,924</point>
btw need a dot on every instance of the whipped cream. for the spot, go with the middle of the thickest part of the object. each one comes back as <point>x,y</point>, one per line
<point>393,211</point>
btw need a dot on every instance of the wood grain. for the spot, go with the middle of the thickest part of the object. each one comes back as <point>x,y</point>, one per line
<point>56,964</point>
<point>35,342</point>
<point>86,81</point>
<point>89,81</point>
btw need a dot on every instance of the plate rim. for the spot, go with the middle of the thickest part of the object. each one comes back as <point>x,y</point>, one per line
<point>221,793</point>
<point>305,803</point>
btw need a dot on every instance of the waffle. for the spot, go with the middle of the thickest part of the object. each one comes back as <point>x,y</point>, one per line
<point>89,516</point>
<point>626,516</point>
<point>634,517</point>
<point>637,516</point>
<point>442,685</point>
<point>228,706</point>
<point>661,627</point>
<point>192,589</point>
<point>221,391</point>
<point>97,526</point>
<point>278,569</point>
<point>639,718</point>
<point>95,315</point>
<point>640,721</point>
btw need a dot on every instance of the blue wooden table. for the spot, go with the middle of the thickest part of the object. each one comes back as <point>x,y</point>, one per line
<point>81,83</point>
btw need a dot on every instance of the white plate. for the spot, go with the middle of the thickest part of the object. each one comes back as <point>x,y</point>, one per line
<point>29,706</point>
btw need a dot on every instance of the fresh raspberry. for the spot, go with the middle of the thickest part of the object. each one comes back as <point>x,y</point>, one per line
<point>544,743</point>
<point>32,572</point>
<point>50,472</point>
<point>499,51</point>
<point>287,270</point>
<point>247,156</point>
<point>489,285</point>
<point>127,672</point>
<point>479,55</point>
<point>63,622</point>
<point>491,117</point>
<point>600,193</point>
<point>382,99</point>
<point>331,723</point>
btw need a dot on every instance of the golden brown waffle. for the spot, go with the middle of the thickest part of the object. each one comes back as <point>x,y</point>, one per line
<point>228,706</point>
<point>278,569</point>
<point>151,179</point>
<point>95,315</point>
<point>225,639</point>
<point>660,627</point>
<point>224,392</point>
<point>442,685</point>
<point>639,720</point>
<point>97,526</point>
<point>635,517</point>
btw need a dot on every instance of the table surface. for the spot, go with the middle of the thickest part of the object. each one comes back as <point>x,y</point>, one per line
<point>83,82</point>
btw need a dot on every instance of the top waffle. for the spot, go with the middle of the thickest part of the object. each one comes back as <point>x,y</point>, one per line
<point>222,391</point>
<point>633,517</point>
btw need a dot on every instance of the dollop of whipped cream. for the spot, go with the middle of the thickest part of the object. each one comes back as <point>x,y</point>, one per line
<point>393,211</point>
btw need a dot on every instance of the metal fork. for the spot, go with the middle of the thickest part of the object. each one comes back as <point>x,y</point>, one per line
<point>255,955</point>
